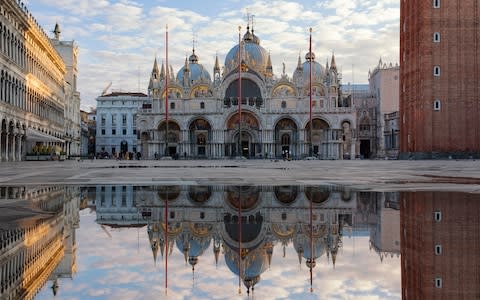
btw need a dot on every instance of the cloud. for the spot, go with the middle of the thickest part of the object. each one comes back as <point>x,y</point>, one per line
<point>116,38</point>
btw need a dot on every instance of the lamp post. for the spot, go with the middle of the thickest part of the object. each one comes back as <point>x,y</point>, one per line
<point>239,93</point>
<point>310,150</point>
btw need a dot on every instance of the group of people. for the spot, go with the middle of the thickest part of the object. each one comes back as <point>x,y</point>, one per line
<point>119,156</point>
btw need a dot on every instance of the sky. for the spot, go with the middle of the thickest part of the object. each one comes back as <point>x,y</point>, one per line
<point>119,39</point>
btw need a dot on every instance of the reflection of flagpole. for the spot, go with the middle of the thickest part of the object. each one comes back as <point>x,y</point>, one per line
<point>166,243</point>
<point>239,242</point>
<point>311,241</point>
<point>166,92</point>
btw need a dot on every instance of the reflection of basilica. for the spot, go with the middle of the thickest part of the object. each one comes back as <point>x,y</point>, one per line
<point>246,223</point>
<point>38,242</point>
<point>204,116</point>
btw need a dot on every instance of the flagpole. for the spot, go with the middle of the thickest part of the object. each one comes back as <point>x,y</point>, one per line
<point>166,92</point>
<point>310,150</point>
<point>239,93</point>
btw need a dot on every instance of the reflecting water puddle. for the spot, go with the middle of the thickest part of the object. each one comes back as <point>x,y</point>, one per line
<point>223,242</point>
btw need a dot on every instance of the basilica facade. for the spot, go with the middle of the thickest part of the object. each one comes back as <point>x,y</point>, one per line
<point>205,119</point>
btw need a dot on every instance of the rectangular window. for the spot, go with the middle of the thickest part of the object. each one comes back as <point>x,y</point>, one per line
<point>114,131</point>
<point>114,120</point>
<point>438,216</point>
<point>437,105</point>
<point>438,283</point>
<point>134,131</point>
<point>134,120</point>
<point>124,120</point>
<point>103,131</point>
<point>104,118</point>
<point>124,131</point>
<point>438,249</point>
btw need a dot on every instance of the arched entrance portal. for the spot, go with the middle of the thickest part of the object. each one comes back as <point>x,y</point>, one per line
<point>286,137</point>
<point>173,138</point>
<point>199,136</point>
<point>248,143</point>
<point>316,136</point>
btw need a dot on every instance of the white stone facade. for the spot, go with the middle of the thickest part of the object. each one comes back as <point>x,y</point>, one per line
<point>385,87</point>
<point>116,122</point>
<point>275,111</point>
<point>68,50</point>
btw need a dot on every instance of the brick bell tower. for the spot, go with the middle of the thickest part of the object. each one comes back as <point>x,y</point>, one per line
<point>439,79</point>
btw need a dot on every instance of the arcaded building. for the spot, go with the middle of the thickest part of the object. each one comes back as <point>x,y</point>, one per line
<point>439,79</point>
<point>39,103</point>
<point>275,109</point>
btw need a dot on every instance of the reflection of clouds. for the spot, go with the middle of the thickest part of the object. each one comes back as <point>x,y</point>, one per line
<point>122,267</point>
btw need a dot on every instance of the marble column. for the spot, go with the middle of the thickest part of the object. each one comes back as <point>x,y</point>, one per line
<point>13,150</point>
<point>1,147</point>
<point>5,155</point>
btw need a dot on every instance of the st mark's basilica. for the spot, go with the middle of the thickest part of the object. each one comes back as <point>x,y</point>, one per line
<point>203,111</point>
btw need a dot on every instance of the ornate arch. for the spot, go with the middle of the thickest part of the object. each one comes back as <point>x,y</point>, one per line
<point>252,87</point>
<point>174,92</point>
<point>284,89</point>
<point>200,90</point>
<point>249,119</point>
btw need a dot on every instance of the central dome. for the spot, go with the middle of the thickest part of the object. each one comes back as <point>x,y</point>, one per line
<point>254,55</point>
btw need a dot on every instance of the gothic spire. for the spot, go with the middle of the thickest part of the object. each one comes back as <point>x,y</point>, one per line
<point>216,68</point>
<point>299,63</point>
<point>162,72</point>
<point>333,64</point>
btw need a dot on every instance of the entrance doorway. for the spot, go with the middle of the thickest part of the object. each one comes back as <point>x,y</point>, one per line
<point>245,148</point>
<point>365,148</point>
<point>172,151</point>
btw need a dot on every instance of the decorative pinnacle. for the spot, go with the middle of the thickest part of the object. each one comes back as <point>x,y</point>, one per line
<point>310,29</point>
<point>239,28</point>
